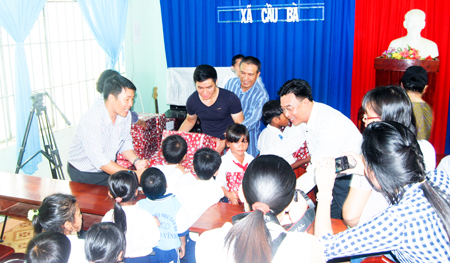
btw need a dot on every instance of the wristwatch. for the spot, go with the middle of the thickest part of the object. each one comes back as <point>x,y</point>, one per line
<point>135,160</point>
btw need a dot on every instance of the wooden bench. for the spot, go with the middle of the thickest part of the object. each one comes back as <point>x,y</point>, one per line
<point>20,211</point>
<point>20,193</point>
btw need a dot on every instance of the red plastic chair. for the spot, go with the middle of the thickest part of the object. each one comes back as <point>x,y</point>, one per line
<point>377,259</point>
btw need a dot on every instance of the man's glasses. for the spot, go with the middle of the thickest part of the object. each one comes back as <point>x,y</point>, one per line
<point>290,109</point>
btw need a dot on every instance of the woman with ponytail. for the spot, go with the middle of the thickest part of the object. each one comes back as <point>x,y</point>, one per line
<point>140,227</point>
<point>61,213</point>
<point>416,226</point>
<point>268,187</point>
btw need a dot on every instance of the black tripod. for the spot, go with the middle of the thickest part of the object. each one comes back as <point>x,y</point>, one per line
<point>50,149</point>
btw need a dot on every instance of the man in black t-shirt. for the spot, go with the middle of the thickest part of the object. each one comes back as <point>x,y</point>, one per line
<point>215,107</point>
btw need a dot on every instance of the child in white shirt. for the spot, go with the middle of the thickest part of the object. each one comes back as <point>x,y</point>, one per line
<point>61,213</point>
<point>197,196</point>
<point>140,227</point>
<point>288,144</point>
<point>234,162</point>
<point>174,149</point>
<point>275,120</point>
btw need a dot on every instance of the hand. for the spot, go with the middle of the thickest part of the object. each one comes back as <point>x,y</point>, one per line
<point>325,175</point>
<point>142,123</point>
<point>157,221</point>
<point>139,173</point>
<point>233,197</point>
<point>182,168</point>
<point>140,164</point>
<point>296,210</point>
<point>220,146</point>
<point>182,251</point>
<point>359,168</point>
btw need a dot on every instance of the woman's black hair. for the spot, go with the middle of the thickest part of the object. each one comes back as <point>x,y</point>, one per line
<point>392,153</point>
<point>104,76</point>
<point>49,247</point>
<point>235,132</point>
<point>124,185</point>
<point>270,180</point>
<point>391,103</point>
<point>104,242</point>
<point>55,210</point>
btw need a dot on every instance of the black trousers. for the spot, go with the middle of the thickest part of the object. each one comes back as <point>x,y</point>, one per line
<point>76,175</point>
<point>340,193</point>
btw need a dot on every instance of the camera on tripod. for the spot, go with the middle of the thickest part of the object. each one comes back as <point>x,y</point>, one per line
<point>37,98</point>
<point>48,140</point>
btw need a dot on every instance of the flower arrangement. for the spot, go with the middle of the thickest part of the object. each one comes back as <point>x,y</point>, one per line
<point>405,53</point>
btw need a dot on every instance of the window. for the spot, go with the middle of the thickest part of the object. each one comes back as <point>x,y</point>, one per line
<point>63,59</point>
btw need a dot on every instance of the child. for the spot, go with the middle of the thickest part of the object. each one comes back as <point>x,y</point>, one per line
<point>271,138</point>
<point>140,227</point>
<point>48,247</point>
<point>275,120</point>
<point>60,213</point>
<point>174,149</point>
<point>169,212</point>
<point>234,162</point>
<point>196,197</point>
<point>105,243</point>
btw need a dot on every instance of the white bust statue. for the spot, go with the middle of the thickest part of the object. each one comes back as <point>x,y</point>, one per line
<point>414,23</point>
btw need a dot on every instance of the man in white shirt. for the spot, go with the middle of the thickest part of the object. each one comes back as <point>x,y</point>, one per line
<point>328,133</point>
<point>104,131</point>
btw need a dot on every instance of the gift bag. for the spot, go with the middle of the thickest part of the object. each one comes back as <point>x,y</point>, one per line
<point>146,141</point>
<point>301,154</point>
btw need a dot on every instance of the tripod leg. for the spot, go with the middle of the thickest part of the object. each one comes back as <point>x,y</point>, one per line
<point>24,141</point>
<point>52,150</point>
<point>3,229</point>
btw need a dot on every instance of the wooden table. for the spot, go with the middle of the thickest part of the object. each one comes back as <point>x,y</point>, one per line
<point>217,215</point>
<point>24,191</point>
<point>337,225</point>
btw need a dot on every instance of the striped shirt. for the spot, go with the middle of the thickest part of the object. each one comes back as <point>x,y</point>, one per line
<point>410,229</point>
<point>97,140</point>
<point>252,102</point>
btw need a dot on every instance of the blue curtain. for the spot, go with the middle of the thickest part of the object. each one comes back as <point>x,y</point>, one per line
<point>319,51</point>
<point>17,18</point>
<point>107,20</point>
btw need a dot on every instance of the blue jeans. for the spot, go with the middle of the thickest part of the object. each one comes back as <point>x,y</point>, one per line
<point>189,256</point>
<point>165,256</point>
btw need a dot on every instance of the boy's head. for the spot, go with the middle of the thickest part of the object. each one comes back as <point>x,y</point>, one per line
<point>273,115</point>
<point>153,183</point>
<point>174,148</point>
<point>415,79</point>
<point>206,163</point>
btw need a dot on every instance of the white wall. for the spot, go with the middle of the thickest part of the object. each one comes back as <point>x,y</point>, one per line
<point>145,54</point>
